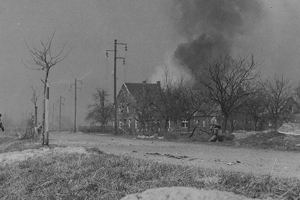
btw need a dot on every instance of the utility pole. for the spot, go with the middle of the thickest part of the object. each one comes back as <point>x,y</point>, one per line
<point>53,116</point>
<point>75,101</point>
<point>34,100</point>
<point>75,107</point>
<point>116,58</point>
<point>61,102</point>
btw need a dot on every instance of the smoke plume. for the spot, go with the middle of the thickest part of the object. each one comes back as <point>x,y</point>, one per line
<point>171,73</point>
<point>210,28</point>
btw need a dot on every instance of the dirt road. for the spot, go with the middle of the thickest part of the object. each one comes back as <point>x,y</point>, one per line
<point>257,161</point>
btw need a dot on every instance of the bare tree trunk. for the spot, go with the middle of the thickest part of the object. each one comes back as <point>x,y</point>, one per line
<point>35,115</point>
<point>255,124</point>
<point>275,123</point>
<point>166,124</point>
<point>224,126</point>
<point>232,125</point>
<point>44,104</point>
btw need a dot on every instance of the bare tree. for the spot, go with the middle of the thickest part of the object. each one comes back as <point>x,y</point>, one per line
<point>34,100</point>
<point>43,58</point>
<point>254,107</point>
<point>228,83</point>
<point>180,101</point>
<point>101,110</point>
<point>175,100</point>
<point>277,91</point>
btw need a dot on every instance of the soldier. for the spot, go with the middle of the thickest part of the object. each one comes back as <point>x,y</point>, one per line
<point>38,130</point>
<point>1,124</point>
<point>214,128</point>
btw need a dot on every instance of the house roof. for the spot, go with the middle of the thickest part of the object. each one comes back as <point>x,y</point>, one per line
<point>137,89</point>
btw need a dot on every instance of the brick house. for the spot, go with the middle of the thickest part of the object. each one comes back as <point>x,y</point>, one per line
<point>138,107</point>
<point>139,111</point>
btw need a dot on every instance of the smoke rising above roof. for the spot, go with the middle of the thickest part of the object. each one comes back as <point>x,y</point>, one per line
<point>210,28</point>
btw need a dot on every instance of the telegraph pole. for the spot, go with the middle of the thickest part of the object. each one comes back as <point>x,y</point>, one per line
<point>75,107</point>
<point>59,116</point>
<point>116,58</point>
<point>115,87</point>
<point>53,116</point>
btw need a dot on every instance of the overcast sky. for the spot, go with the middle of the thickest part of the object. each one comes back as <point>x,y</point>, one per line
<point>89,28</point>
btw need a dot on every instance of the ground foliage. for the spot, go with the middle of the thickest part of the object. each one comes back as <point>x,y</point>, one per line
<point>103,176</point>
<point>8,144</point>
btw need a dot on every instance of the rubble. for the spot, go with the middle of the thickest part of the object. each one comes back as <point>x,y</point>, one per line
<point>167,155</point>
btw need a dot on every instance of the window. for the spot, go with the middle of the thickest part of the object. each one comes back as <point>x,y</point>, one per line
<point>127,109</point>
<point>184,124</point>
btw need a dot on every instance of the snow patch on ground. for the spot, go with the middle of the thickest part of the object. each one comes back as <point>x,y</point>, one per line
<point>290,129</point>
<point>16,156</point>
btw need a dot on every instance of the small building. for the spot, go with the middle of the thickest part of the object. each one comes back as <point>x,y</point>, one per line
<point>139,107</point>
<point>293,107</point>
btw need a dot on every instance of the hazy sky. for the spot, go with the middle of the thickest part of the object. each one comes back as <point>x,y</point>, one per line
<point>89,28</point>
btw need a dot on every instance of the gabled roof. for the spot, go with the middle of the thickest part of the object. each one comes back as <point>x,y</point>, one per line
<point>138,89</point>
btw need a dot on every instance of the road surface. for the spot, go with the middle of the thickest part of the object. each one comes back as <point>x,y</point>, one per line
<point>257,161</point>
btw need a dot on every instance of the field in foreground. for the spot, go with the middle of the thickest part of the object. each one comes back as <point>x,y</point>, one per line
<point>97,175</point>
<point>9,143</point>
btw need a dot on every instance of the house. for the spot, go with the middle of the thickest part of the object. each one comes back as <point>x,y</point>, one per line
<point>140,111</point>
<point>293,107</point>
<point>138,107</point>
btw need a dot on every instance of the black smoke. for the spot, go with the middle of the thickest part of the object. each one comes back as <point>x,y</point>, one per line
<point>210,28</point>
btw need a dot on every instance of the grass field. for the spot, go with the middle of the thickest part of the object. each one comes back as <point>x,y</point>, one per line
<point>102,176</point>
<point>8,144</point>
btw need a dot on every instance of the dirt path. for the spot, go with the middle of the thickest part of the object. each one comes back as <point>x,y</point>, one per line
<point>275,163</point>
